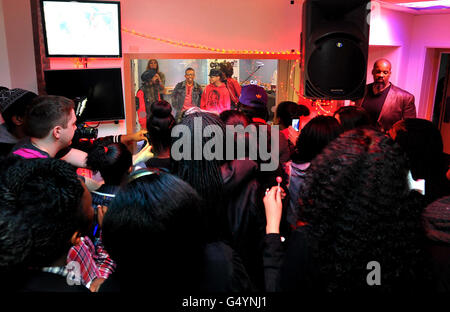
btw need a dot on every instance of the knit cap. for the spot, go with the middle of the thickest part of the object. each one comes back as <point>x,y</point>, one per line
<point>9,97</point>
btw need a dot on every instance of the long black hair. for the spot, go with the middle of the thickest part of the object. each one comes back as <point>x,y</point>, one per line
<point>202,174</point>
<point>288,110</point>
<point>422,142</point>
<point>315,135</point>
<point>153,229</point>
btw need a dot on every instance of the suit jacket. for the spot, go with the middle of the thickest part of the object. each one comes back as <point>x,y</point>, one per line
<point>399,104</point>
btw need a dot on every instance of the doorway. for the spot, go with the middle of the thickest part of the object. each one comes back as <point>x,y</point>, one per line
<point>441,107</point>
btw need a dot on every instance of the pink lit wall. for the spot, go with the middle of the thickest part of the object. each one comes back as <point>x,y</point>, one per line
<point>5,77</point>
<point>266,25</point>
<point>18,41</point>
<point>430,32</point>
<point>390,33</point>
<point>392,53</point>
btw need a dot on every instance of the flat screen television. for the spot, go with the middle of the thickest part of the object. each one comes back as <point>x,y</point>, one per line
<point>81,28</point>
<point>97,92</point>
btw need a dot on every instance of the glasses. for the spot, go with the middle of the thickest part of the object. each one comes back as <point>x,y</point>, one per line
<point>190,75</point>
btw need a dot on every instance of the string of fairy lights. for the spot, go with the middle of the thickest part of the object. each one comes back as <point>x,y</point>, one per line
<point>319,105</point>
<point>207,48</point>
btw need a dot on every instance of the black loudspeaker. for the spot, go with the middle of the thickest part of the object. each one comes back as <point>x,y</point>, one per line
<point>335,42</point>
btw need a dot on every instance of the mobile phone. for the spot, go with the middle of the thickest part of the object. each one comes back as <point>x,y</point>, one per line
<point>295,123</point>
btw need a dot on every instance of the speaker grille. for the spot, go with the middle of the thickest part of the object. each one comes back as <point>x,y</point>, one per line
<point>336,67</point>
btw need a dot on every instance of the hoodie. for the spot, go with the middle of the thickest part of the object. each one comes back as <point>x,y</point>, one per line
<point>7,140</point>
<point>215,99</point>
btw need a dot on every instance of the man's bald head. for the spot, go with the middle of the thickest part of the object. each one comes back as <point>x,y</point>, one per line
<point>381,61</point>
<point>381,73</point>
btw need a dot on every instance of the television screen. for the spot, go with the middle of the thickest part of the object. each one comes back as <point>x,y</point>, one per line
<point>81,28</point>
<point>97,92</point>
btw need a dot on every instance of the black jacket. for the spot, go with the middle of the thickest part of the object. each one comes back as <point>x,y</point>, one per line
<point>245,213</point>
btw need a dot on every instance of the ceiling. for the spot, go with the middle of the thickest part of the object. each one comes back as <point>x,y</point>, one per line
<point>392,4</point>
<point>404,1</point>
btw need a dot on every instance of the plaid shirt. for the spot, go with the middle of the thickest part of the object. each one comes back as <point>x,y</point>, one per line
<point>94,260</point>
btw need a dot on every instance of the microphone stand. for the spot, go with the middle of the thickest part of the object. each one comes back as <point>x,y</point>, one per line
<point>259,66</point>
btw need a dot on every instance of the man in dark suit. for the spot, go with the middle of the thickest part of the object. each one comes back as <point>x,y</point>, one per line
<point>385,102</point>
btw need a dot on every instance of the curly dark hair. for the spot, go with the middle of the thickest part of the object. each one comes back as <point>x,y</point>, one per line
<point>226,68</point>
<point>359,208</point>
<point>40,210</point>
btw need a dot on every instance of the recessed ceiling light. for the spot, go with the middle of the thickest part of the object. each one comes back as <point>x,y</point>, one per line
<point>422,5</point>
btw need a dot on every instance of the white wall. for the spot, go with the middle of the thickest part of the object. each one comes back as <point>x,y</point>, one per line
<point>5,77</point>
<point>19,44</point>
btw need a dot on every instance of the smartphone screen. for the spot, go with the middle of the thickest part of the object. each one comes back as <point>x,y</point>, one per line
<point>295,123</point>
<point>418,185</point>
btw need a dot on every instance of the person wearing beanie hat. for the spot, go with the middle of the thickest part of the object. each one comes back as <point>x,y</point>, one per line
<point>13,104</point>
<point>145,96</point>
<point>216,97</point>
<point>152,87</point>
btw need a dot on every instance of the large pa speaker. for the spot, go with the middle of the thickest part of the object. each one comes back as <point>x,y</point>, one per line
<point>335,41</point>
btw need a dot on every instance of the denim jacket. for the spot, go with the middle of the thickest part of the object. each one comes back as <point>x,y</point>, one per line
<point>179,93</point>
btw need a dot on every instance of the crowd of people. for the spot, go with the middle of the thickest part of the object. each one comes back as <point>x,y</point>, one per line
<point>339,201</point>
